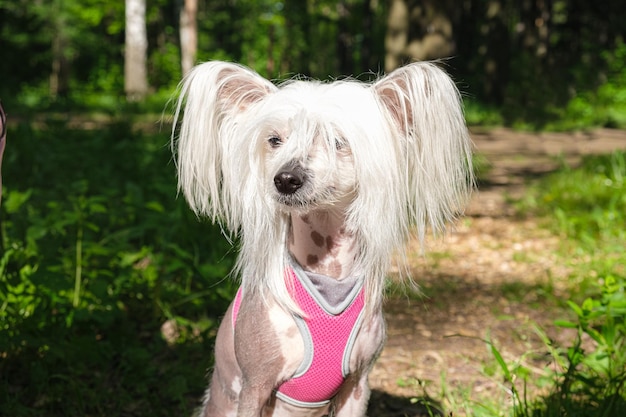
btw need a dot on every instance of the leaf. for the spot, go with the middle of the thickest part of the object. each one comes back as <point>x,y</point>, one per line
<point>576,308</point>
<point>566,324</point>
<point>496,354</point>
<point>588,306</point>
<point>156,206</point>
<point>97,208</point>
<point>15,199</point>
<point>595,335</point>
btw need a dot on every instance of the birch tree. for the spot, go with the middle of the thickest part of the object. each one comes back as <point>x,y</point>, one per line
<point>188,35</point>
<point>136,49</point>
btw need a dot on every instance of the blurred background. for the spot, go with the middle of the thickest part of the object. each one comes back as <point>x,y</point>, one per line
<point>530,62</point>
<point>111,290</point>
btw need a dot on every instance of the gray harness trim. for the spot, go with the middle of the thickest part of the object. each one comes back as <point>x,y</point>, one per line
<point>333,295</point>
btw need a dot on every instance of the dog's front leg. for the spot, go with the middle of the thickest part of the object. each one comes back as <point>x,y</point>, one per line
<point>269,348</point>
<point>221,398</point>
<point>352,398</point>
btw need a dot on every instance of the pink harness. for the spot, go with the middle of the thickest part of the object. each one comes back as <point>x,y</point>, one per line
<point>328,340</point>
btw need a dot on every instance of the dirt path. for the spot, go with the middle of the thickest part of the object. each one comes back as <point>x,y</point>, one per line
<point>493,276</point>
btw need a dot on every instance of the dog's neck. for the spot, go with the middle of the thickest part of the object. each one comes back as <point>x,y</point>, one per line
<point>321,244</point>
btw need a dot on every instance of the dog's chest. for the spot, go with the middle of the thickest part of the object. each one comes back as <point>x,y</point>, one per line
<point>332,314</point>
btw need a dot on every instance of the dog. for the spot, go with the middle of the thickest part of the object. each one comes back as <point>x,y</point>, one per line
<point>322,183</point>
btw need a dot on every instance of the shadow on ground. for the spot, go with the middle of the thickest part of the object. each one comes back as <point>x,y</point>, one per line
<point>383,404</point>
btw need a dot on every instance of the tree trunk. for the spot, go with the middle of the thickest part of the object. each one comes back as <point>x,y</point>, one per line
<point>496,54</point>
<point>344,39</point>
<point>397,34</point>
<point>135,68</point>
<point>271,61</point>
<point>297,55</point>
<point>188,35</point>
<point>59,77</point>
<point>419,30</point>
<point>367,29</point>
<point>60,71</point>
<point>3,139</point>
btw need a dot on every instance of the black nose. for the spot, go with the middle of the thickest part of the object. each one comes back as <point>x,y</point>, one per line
<point>288,182</point>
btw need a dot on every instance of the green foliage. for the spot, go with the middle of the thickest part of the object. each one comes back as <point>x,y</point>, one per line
<point>543,102</point>
<point>98,253</point>
<point>604,106</point>
<point>588,201</point>
<point>589,375</point>
<point>587,207</point>
<point>554,65</point>
<point>585,375</point>
<point>479,114</point>
<point>602,319</point>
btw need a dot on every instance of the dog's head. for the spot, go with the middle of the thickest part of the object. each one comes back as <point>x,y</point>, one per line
<point>305,144</point>
<point>390,155</point>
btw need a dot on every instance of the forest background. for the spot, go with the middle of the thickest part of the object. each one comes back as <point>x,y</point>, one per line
<point>111,290</point>
<point>534,62</point>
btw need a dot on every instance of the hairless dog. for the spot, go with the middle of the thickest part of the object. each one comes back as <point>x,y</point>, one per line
<point>321,183</point>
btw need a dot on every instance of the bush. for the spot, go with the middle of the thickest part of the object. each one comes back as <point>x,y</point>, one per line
<point>603,106</point>
<point>97,254</point>
<point>589,382</point>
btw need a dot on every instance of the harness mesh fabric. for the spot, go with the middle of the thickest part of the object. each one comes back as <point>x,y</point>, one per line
<point>332,337</point>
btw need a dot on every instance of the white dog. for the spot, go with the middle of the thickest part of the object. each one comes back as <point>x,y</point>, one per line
<point>322,183</point>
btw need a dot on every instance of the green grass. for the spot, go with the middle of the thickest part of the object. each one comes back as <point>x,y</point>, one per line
<point>584,381</point>
<point>586,207</point>
<point>478,114</point>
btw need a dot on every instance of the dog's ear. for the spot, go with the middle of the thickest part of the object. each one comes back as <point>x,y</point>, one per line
<point>425,106</point>
<point>238,87</point>
<point>230,86</point>
<point>416,91</point>
<point>212,99</point>
<point>393,92</point>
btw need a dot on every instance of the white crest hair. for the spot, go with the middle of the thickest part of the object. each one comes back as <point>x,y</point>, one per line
<point>406,132</point>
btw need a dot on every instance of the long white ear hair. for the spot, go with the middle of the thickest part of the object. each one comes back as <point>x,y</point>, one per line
<point>435,150</point>
<point>212,99</point>
<point>215,141</point>
<point>427,108</point>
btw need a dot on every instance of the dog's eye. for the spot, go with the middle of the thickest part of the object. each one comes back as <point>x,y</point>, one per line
<point>275,141</point>
<point>340,144</point>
